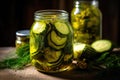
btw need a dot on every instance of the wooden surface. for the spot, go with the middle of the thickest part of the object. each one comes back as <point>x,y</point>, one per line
<point>30,73</point>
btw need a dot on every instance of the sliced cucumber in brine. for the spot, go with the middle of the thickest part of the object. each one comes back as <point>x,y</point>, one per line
<point>34,42</point>
<point>38,27</point>
<point>51,55</point>
<point>55,41</point>
<point>62,28</point>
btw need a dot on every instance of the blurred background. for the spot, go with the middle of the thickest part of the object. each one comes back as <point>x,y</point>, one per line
<point>19,14</point>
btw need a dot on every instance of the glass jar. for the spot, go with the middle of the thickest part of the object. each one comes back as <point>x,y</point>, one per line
<point>51,37</point>
<point>22,38</point>
<point>86,19</point>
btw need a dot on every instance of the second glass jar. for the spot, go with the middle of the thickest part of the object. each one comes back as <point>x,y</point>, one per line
<point>51,37</point>
<point>86,19</point>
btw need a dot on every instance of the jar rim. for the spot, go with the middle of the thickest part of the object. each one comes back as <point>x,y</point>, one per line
<point>23,33</point>
<point>51,12</point>
<point>92,2</point>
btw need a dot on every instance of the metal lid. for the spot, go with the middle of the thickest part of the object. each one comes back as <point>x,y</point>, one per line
<point>23,33</point>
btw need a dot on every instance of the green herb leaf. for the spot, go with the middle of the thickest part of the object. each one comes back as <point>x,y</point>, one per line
<point>22,59</point>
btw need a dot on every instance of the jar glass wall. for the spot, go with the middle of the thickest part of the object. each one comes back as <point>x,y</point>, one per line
<point>51,37</point>
<point>86,19</point>
<point>22,38</point>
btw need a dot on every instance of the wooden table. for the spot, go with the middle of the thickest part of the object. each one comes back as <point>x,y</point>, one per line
<point>30,73</point>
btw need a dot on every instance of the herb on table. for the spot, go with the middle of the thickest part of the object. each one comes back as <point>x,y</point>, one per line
<point>108,60</point>
<point>22,59</point>
<point>112,60</point>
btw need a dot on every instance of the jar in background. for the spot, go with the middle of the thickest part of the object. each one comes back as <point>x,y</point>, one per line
<point>51,37</point>
<point>22,38</point>
<point>86,19</point>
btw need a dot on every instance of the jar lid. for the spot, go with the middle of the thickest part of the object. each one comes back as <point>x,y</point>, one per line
<point>23,33</point>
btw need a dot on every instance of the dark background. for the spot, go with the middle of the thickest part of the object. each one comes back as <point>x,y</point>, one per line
<point>19,14</point>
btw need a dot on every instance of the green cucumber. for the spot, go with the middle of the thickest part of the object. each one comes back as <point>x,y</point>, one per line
<point>49,27</point>
<point>102,45</point>
<point>34,42</point>
<point>62,28</point>
<point>52,56</point>
<point>57,39</point>
<point>49,64</point>
<point>82,50</point>
<point>89,52</point>
<point>52,43</point>
<point>39,27</point>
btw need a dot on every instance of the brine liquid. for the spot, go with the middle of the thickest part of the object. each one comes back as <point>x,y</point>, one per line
<point>50,50</point>
<point>87,38</point>
<point>86,22</point>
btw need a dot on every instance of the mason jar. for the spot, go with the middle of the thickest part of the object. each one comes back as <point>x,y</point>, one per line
<point>22,38</point>
<point>86,19</point>
<point>51,41</point>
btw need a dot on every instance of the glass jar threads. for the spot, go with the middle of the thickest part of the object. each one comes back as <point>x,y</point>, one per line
<point>51,37</point>
<point>86,19</point>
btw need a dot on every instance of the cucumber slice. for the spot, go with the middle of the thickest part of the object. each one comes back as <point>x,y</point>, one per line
<point>102,45</point>
<point>52,56</point>
<point>62,28</point>
<point>56,39</point>
<point>34,42</point>
<point>49,64</point>
<point>53,45</point>
<point>39,27</point>
<point>49,27</point>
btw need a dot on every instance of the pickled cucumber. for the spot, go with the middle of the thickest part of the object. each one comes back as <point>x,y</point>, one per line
<point>52,56</point>
<point>62,28</point>
<point>57,39</point>
<point>34,42</point>
<point>86,22</point>
<point>39,27</point>
<point>53,45</point>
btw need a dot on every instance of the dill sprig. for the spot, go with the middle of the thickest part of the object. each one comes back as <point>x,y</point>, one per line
<point>19,62</point>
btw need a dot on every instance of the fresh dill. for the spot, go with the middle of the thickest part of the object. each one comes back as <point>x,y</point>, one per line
<point>19,62</point>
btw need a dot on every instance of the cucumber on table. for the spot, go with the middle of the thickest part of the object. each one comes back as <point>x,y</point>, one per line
<point>102,45</point>
<point>82,50</point>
